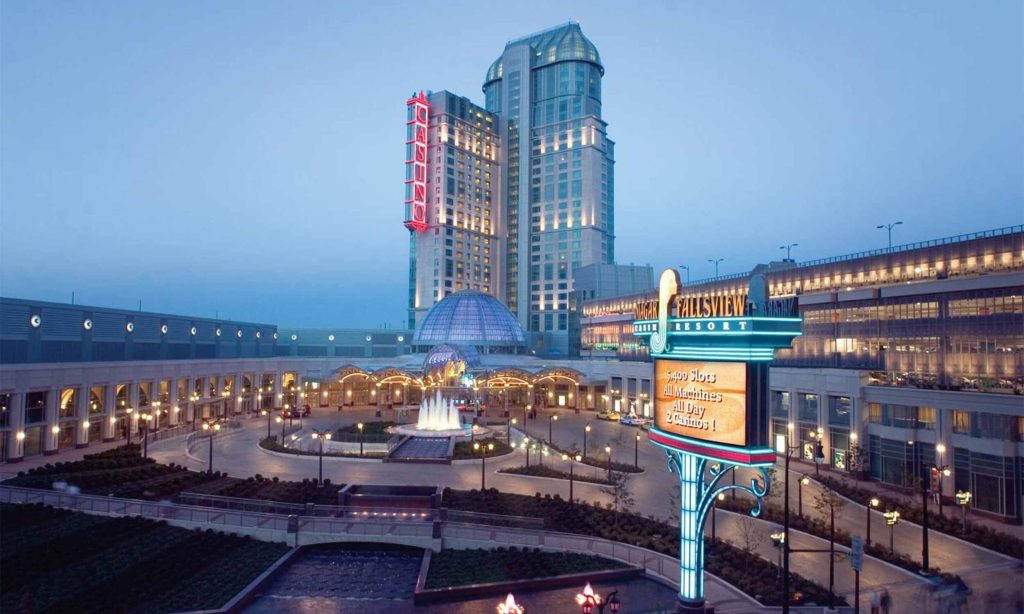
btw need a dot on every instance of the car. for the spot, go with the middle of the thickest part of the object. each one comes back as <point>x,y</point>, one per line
<point>646,426</point>
<point>608,415</point>
<point>632,420</point>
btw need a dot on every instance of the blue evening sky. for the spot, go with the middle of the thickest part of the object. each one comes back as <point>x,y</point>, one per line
<point>246,157</point>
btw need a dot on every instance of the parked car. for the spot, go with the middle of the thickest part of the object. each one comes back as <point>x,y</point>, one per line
<point>647,425</point>
<point>608,415</point>
<point>633,420</point>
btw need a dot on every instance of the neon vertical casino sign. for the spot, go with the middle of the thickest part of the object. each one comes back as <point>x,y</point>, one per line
<point>416,162</point>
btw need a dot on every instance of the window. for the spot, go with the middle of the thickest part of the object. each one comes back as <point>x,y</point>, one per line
<point>961,422</point>
<point>839,410</point>
<point>808,407</point>
<point>780,403</point>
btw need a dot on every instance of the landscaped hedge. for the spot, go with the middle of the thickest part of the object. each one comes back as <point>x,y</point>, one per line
<point>273,489</point>
<point>464,449</point>
<point>462,567</point>
<point>61,561</point>
<point>976,534</point>
<point>119,472</point>
<point>585,519</point>
<point>544,471</point>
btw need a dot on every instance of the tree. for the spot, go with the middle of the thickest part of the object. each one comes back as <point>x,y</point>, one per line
<point>618,490</point>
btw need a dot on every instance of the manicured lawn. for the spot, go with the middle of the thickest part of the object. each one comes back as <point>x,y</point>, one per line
<point>462,567</point>
<point>62,561</point>
<point>464,449</point>
<point>369,428</point>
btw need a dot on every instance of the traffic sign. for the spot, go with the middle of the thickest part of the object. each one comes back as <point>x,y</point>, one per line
<point>856,552</point>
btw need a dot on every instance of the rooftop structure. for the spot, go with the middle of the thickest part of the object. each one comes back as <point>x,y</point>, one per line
<point>470,318</point>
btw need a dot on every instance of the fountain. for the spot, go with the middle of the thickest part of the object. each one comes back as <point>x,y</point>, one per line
<point>438,414</point>
<point>439,417</point>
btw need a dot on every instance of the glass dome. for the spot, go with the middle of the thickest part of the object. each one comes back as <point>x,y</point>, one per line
<point>470,318</point>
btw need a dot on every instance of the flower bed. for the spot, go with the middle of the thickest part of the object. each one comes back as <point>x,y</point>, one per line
<point>750,573</point>
<point>464,449</point>
<point>51,558</point>
<point>543,471</point>
<point>462,567</point>
<point>976,534</point>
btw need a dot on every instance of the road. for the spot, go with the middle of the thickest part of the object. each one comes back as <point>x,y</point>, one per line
<point>987,573</point>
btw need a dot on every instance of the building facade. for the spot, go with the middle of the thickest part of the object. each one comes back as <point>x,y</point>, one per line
<point>560,208</point>
<point>911,361</point>
<point>454,196</point>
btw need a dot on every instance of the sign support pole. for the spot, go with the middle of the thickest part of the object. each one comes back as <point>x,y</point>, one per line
<point>696,499</point>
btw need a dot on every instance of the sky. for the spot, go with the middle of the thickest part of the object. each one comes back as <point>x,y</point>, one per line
<point>245,159</point>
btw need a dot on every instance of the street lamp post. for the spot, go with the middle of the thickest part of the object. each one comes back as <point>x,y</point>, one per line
<point>636,452</point>
<point>714,527</point>
<point>608,451</point>
<point>483,463</point>
<point>267,413</point>
<point>889,228</point>
<point>683,267</point>
<point>508,428</point>
<point>963,499</point>
<point>526,446</point>
<point>716,262</point>
<point>804,481</point>
<point>573,459</point>
<point>788,247</point>
<point>779,541</point>
<point>280,420</point>
<point>128,411</point>
<point>891,519</point>
<point>211,427</point>
<point>360,427</point>
<point>872,503</point>
<point>586,429</point>
<point>145,417</point>
<point>551,421</point>
<point>321,436</point>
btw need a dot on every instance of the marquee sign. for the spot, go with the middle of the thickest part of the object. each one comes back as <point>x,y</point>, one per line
<point>417,122</point>
<point>702,400</point>
<point>711,355</point>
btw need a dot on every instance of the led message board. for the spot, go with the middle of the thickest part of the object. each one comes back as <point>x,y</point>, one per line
<point>702,400</point>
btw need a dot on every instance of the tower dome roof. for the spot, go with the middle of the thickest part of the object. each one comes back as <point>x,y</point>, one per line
<point>559,44</point>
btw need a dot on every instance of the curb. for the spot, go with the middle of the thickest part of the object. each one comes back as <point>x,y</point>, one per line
<point>540,477</point>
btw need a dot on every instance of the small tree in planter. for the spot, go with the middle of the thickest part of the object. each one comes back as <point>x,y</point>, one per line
<point>618,490</point>
<point>857,462</point>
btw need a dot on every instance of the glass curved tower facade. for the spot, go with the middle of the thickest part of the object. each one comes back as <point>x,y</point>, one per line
<point>559,173</point>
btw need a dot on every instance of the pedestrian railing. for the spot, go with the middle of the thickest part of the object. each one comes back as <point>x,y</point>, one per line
<point>497,520</point>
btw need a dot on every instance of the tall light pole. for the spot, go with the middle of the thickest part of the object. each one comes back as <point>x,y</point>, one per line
<point>608,451</point>
<point>321,436</point>
<point>280,421</point>
<point>526,446</point>
<point>483,463</point>
<point>360,427</point>
<point>889,228</point>
<point>586,429</point>
<point>683,267</point>
<point>788,247</point>
<point>715,262</point>
<point>266,412</point>
<point>211,427</point>
<point>551,420</point>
